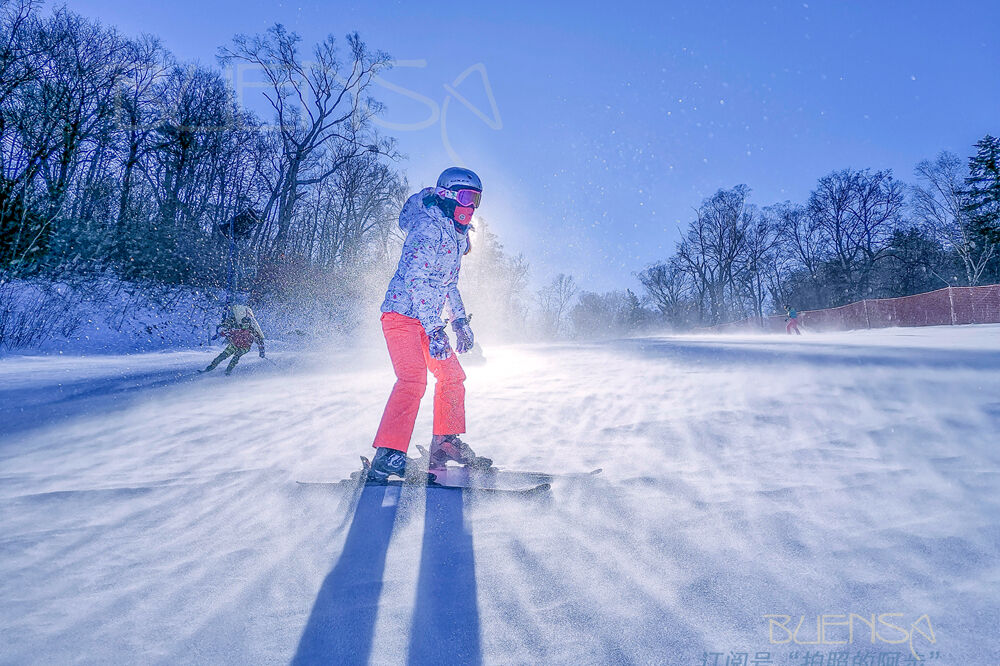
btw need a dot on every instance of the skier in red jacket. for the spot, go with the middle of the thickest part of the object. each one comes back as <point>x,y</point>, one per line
<point>241,330</point>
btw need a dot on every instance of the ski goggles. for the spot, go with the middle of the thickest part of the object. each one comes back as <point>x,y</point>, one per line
<point>463,197</point>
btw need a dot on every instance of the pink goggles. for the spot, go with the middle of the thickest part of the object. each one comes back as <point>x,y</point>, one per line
<point>463,197</point>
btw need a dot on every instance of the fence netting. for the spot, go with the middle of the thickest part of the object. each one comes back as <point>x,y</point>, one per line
<point>948,306</point>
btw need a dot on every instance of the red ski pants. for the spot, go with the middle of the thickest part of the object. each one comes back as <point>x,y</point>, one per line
<point>792,325</point>
<point>411,359</point>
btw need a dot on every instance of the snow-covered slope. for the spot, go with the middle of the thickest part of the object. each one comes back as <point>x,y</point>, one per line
<point>148,514</point>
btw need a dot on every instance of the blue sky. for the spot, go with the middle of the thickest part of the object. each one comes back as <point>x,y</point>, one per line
<point>616,119</point>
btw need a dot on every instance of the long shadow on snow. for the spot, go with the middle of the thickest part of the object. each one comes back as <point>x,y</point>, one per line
<point>446,617</point>
<point>56,402</point>
<point>727,352</point>
<point>341,625</point>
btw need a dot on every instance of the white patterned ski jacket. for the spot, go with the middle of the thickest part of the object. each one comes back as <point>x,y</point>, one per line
<point>426,279</point>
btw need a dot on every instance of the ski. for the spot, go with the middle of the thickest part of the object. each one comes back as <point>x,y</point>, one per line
<point>451,478</point>
<point>454,475</point>
<point>540,489</point>
<point>541,477</point>
<point>537,489</point>
<point>551,476</point>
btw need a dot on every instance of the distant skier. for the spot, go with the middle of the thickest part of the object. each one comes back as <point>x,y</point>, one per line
<point>241,330</point>
<point>793,321</point>
<point>437,222</point>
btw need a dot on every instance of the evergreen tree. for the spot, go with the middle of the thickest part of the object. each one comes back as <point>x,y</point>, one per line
<point>916,263</point>
<point>983,204</point>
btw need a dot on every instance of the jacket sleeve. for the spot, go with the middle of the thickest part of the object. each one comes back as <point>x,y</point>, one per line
<point>424,277</point>
<point>453,303</point>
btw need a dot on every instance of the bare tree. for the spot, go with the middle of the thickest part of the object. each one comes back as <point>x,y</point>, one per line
<point>138,112</point>
<point>856,213</point>
<point>760,244</point>
<point>801,236</point>
<point>830,210</point>
<point>85,63</point>
<point>800,256</point>
<point>366,198</point>
<point>55,115</point>
<point>319,104</point>
<point>613,313</point>
<point>495,285</point>
<point>877,208</point>
<point>554,301</point>
<point>713,250</point>
<point>939,202</point>
<point>17,49</point>
<point>668,286</point>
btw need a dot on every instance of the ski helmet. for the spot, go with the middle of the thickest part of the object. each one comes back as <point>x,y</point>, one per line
<point>457,178</point>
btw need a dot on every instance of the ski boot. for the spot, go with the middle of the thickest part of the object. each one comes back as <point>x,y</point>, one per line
<point>450,447</point>
<point>385,463</point>
<point>390,462</point>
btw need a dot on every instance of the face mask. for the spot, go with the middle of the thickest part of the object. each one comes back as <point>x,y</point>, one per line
<point>463,215</point>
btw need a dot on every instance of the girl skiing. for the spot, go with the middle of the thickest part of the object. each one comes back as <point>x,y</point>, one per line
<point>793,321</point>
<point>436,221</point>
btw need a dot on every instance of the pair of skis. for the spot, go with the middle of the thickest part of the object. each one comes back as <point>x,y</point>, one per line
<point>489,481</point>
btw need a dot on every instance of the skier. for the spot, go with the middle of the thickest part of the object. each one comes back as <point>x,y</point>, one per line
<point>437,222</point>
<point>241,330</point>
<point>793,321</point>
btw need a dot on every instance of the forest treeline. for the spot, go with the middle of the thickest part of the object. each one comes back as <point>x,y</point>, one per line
<point>116,156</point>
<point>121,165</point>
<point>861,234</point>
<point>117,159</point>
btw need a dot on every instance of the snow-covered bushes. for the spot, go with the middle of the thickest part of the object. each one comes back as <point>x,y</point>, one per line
<point>109,315</point>
<point>34,311</point>
<point>104,315</point>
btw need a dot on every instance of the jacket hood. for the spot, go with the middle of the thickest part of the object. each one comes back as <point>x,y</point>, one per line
<point>237,313</point>
<point>413,209</point>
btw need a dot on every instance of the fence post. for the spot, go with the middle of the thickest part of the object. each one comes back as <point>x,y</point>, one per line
<point>868,321</point>
<point>951,305</point>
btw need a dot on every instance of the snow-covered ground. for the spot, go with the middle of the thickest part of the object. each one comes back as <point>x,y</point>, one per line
<point>151,515</point>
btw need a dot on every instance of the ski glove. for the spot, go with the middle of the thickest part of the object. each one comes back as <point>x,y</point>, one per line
<point>463,335</point>
<point>439,345</point>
